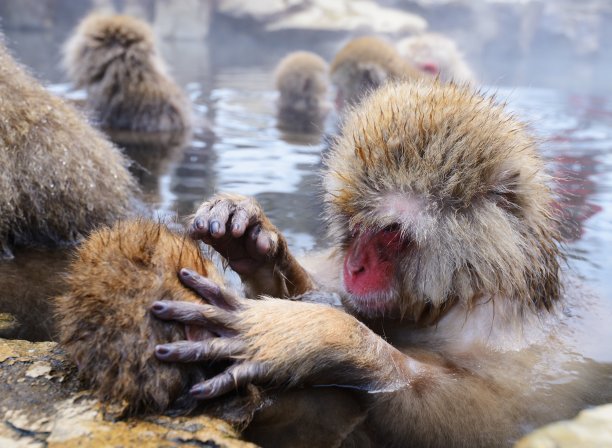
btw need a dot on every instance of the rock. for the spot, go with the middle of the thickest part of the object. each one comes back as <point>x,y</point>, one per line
<point>591,428</point>
<point>324,15</point>
<point>42,404</point>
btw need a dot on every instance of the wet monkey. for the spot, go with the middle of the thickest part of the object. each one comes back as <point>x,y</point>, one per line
<point>437,55</point>
<point>114,58</point>
<point>364,64</point>
<point>446,261</point>
<point>301,80</point>
<point>60,178</point>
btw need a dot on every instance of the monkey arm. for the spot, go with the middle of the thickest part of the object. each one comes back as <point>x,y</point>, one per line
<point>237,228</point>
<point>283,343</point>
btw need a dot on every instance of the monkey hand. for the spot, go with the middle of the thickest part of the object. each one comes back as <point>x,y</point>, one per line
<point>273,342</point>
<point>237,228</point>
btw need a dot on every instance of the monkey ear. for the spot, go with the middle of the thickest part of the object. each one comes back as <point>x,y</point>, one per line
<point>373,76</point>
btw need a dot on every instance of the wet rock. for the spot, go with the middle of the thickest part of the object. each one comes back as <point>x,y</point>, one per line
<point>591,428</point>
<point>42,404</point>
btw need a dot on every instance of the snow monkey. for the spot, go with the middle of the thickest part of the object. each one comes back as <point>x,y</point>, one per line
<point>363,64</point>
<point>103,319</point>
<point>446,260</point>
<point>60,178</point>
<point>437,55</point>
<point>115,59</point>
<point>301,79</point>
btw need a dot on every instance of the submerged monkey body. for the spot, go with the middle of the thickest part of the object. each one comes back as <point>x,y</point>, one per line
<point>115,59</point>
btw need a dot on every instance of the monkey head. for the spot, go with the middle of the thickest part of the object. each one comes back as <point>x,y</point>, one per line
<point>100,40</point>
<point>435,196</point>
<point>436,55</point>
<point>364,64</point>
<point>104,321</point>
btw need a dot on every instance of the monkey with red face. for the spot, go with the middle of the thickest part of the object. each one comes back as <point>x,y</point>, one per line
<point>447,264</point>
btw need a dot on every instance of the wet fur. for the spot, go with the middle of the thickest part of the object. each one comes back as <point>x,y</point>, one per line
<point>60,178</point>
<point>301,80</point>
<point>104,321</point>
<point>115,59</point>
<point>366,63</point>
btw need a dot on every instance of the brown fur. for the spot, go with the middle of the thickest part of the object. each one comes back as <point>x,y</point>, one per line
<point>104,320</point>
<point>473,166</point>
<point>366,63</point>
<point>59,177</point>
<point>114,58</point>
<point>301,79</point>
<point>439,50</point>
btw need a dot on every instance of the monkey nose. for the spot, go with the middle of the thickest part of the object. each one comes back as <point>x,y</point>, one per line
<point>354,267</point>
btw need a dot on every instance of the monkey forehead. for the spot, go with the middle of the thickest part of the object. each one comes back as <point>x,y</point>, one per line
<point>119,27</point>
<point>433,139</point>
<point>399,207</point>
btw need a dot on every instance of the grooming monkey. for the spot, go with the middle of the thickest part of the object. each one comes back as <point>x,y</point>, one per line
<point>446,262</point>
<point>106,328</point>
<point>436,55</point>
<point>301,79</point>
<point>59,177</point>
<point>115,59</point>
<point>364,64</point>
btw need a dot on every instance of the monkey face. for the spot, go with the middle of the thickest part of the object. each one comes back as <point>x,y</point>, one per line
<point>436,196</point>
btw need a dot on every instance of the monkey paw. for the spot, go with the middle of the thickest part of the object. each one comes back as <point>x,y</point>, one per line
<point>265,339</point>
<point>237,228</point>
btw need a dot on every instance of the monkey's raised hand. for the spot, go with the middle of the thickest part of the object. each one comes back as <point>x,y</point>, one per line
<point>279,343</point>
<point>237,228</point>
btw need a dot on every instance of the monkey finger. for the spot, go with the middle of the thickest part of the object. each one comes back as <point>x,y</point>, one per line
<point>209,290</point>
<point>207,350</point>
<point>240,221</point>
<point>211,317</point>
<point>234,377</point>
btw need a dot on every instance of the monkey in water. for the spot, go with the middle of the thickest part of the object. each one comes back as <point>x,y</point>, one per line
<point>114,58</point>
<point>105,327</point>
<point>103,319</point>
<point>301,80</point>
<point>446,260</point>
<point>437,55</point>
<point>60,178</point>
<point>364,64</point>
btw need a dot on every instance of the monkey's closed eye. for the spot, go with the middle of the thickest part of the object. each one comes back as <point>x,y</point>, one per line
<point>395,227</point>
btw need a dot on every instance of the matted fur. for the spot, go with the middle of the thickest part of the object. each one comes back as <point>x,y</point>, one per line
<point>301,79</point>
<point>483,225</point>
<point>104,320</point>
<point>364,64</point>
<point>438,49</point>
<point>60,178</point>
<point>115,59</point>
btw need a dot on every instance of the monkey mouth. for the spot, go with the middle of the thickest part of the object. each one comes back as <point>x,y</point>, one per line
<point>373,305</point>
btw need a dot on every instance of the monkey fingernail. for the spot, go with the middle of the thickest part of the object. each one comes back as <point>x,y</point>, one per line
<point>199,224</point>
<point>162,351</point>
<point>215,226</point>
<point>159,307</point>
<point>255,232</point>
<point>200,390</point>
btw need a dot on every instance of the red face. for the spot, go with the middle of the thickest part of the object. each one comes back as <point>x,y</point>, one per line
<point>370,268</point>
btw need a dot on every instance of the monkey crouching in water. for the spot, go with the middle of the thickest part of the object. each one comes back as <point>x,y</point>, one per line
<point>115,59</point>
<point>301,79</point>
<point>60,178</point>
<point>364,64</point>
<point>446,261</point>
<point>104,323</point>
<point>436,55</point>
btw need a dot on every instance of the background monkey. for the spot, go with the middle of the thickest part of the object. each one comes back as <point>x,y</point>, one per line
<point>437,55</point>
<point>445,244</point>
<point>301,79</point>
<point>59,177</point>
<point>363,64</point>
<point>114,58</point>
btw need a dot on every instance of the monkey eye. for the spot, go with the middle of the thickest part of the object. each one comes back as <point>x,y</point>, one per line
<point>392,228</point>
